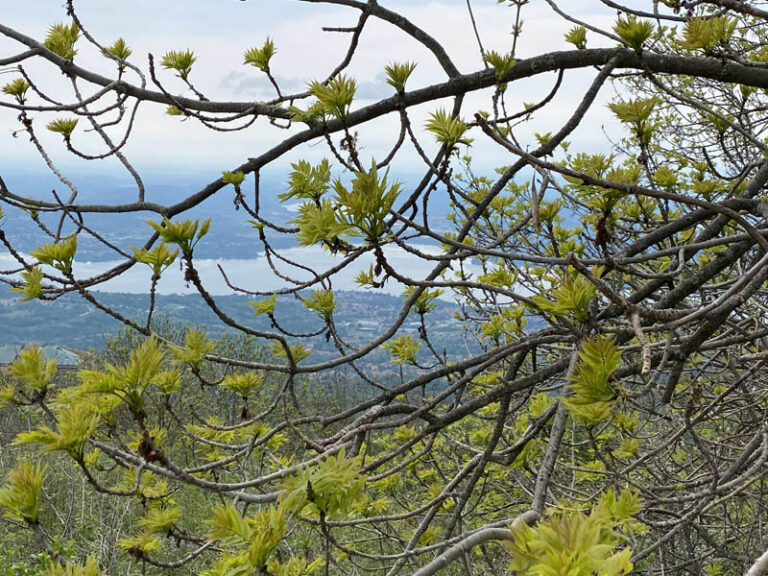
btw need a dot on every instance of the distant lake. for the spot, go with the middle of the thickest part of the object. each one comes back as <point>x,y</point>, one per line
<point>255,274</point>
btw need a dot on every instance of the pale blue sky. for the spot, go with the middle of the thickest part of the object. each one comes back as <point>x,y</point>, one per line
<point>219,31</point>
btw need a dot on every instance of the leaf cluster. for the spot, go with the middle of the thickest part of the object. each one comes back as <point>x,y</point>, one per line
<point>308,182</point>
<point>196,347</point>
<point>331,489</point>
<point>63,126</point>
<point>125,382</point>
<point>321,301</point>
<point>32,284</point>
<point>179,60</point>
<point>158,258</point>
<point>264,306</point>
<point>184,234</point>
<point>21,498</point>
<point>75,424</point>
<point>235,178</point>
<point>359,209</point>
<point>447,129</point>
<point>633,31</point>
<point>120,51</point>
<point>576,543</point>
<point>58,254</point>
<point>260,533</point>
<point>242,382</point>
<point>501,63</point>
<point>403,349</point>
<point>578,37</point>
<point>425,302</point>
<point>61,40</point>
<point>33,370</point>
<point>260,57</point>
<point>569,296</point>
<point>335,97</point>
<point>18,89</point>
<point>365,205</point>
<point>398,74</point>
<point>636,112</point>
<point>590,392</point>
<point>707,33</point>
<point>90,568</point>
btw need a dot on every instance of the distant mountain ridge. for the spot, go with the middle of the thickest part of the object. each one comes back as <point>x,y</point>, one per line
<point>231,236</point>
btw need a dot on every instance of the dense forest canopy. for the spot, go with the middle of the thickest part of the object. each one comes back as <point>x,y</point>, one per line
<point>596,212</point>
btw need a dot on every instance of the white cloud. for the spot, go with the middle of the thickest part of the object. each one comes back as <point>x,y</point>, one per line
<point>220,33</point>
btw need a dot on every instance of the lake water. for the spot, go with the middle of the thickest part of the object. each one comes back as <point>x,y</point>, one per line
<point>255,273</point>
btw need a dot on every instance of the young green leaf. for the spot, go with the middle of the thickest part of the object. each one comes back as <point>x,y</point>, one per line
<point>32,284</point>
<point>159,258</point>
<point>61,40</point>
<point>403,349</point>
<point>181,61</point>
<point>319,223</point>
<point>143,543</point>
<point>366,278</point>
<point>577,36</point>
<point>590,392</point>
<point>119,50</point>
<point>571,297</point>
<point>336,96</point>
<point>168,381</point>
<point>308,182</point>
<point>636,112</point>
<point>633,31</point>
<point>633,111</point>
<point>571,543</point>
<point>365,206</point>
<point>196,347</point>
<point>298,352</point>
<point>63,126</point>
<point>160,520</point>
<point>333,488</point>
<point>398,74</point>
<point>18,89</point>
<point>447,129</point>
<point>184,233</point>
<point>322,302</point>
<point>59,254</point>
<point>502,63</point>
<point>229,526</point>
<point>707,33</point>
<point>269,529</point>
<point>242,382</point>
<point>234,178</point>
<point>126,382</point>
<point>90,568</point>
<point>260,57</point>
<point>264,306</point>
<point>21,498</point>
<point>75,424</point>
<point>33,370</point>
<point>426,301</point>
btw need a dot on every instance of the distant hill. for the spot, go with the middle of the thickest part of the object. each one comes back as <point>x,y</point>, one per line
<point>232,236</point>
<point>360,316</point>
